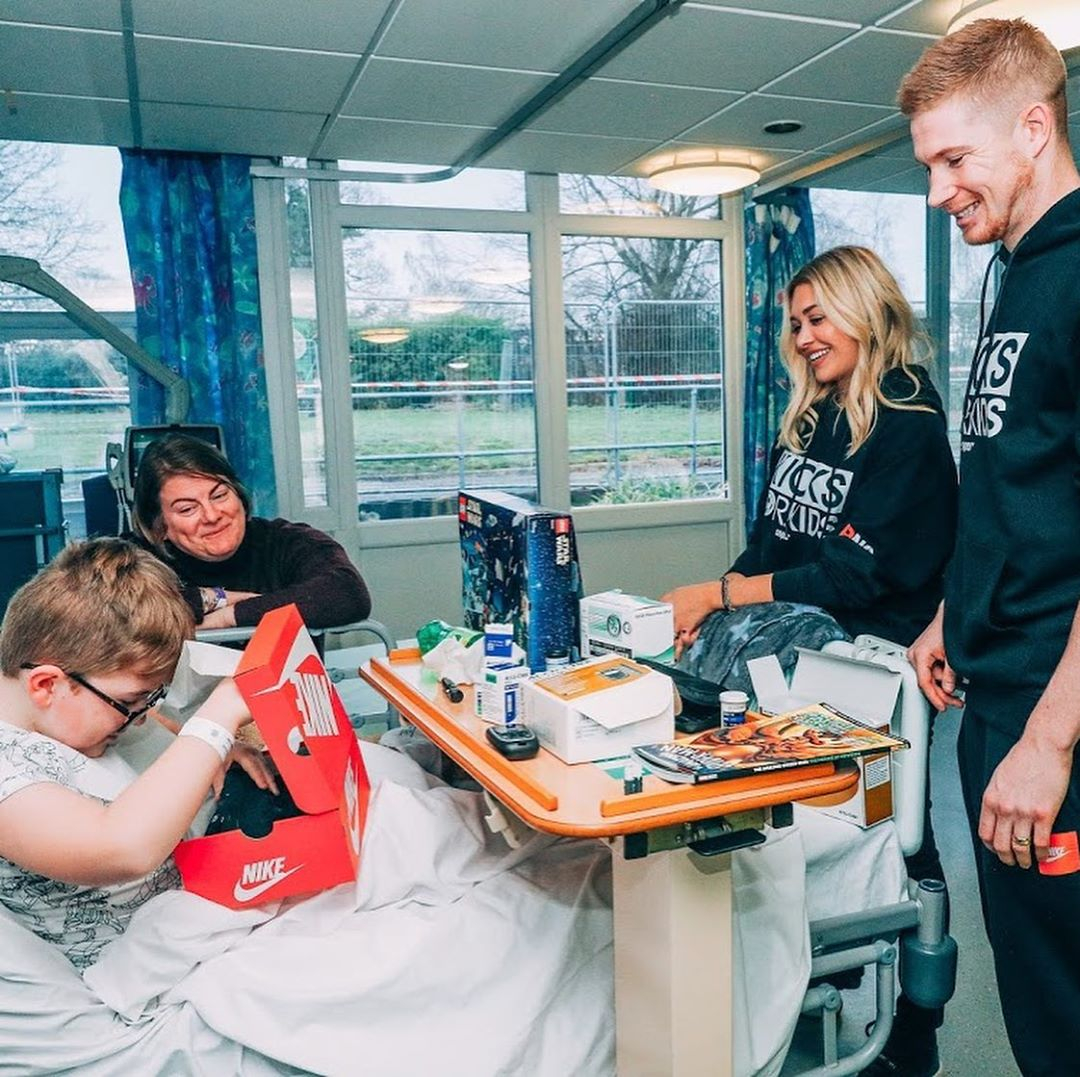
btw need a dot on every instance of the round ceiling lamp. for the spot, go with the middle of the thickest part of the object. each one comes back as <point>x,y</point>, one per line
<point>504,273</point>
<point>701,173</point>
<point>435,304</point>
<point>1058,19</point>
<point>388,335</point>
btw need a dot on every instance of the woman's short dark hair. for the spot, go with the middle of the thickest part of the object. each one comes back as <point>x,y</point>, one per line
<point>176,454</point>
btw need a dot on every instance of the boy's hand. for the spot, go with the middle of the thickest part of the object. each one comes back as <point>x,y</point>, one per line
<point>255,764</point>
<point>225,705</point>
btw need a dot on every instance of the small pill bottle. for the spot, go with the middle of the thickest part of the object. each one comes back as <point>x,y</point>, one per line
<point>733,706</point>
<point>556,659</point>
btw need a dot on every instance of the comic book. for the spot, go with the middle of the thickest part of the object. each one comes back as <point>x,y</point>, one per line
<point>814,734</point>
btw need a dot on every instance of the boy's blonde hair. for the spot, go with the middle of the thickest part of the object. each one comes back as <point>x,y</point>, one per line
<point>862,299</point>
<point>1000,64</point>
<point>99,607</point>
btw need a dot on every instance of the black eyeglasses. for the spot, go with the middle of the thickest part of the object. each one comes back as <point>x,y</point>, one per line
<point>130,713</point>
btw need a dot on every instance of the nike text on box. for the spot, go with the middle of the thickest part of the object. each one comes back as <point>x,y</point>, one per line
<point>297,710</point>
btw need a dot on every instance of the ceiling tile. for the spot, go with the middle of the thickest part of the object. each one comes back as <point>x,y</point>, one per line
<point>407,144</point>
<point>633,109</point>
<point>80,63</point>
<point>541,151</point>
<point>439,93</point>
<point>723,50</point>
<point>823,122</point>
<point>228,130</point>
<point>913,181</point>
<point>927,16</point>
<point>331,25</point>
<point>868,68</point>
<point>861,171</point>
<point>47,118</point>
<point>233,76</point>
<point>100,15</point>
<point>860,11</point>
<point>520,34</point>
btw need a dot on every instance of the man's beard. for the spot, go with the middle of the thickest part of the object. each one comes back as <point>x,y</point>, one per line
<point>996,226</point>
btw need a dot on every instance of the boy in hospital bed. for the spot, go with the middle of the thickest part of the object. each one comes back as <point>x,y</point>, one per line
<point>86,648</point>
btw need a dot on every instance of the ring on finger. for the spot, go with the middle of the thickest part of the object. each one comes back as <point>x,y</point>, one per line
<point>1022,843</point>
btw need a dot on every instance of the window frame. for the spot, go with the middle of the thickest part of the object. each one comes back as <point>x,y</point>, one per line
<point>544,227</point>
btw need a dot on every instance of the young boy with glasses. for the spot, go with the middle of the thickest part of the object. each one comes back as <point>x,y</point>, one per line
<point>86,648</point>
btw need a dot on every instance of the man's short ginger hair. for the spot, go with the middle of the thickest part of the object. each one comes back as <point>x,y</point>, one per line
<point>993,62</point>
<point>99,607</point>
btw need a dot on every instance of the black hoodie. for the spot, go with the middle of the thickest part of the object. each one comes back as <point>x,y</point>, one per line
<point>1013,584</point>
<point>867,536</point>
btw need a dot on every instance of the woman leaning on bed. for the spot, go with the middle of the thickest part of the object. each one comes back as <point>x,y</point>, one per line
<point>858,518</point>
<point>192,512</point>
<point>859,513</point>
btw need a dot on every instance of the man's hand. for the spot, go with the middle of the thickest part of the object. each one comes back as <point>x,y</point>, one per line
<point>937,679</point>
<point>1022,800</point>
<point>690,606</point>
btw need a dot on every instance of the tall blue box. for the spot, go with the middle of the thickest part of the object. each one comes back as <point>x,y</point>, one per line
<point>519,566</point>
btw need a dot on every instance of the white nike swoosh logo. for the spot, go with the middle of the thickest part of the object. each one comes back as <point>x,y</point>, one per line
<point>248,893</point>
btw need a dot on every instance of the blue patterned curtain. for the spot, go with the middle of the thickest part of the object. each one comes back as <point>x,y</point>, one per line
<point>189,224</point>
<point>779,240</point>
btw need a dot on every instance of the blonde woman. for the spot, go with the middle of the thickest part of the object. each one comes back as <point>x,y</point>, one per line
<point>855,525</point>
<point>858,517</point>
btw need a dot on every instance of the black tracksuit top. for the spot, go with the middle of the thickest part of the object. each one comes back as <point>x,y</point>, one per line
<point>1014,581</point>
<point>866,537</point>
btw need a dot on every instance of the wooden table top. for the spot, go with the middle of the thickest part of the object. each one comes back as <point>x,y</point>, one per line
<point>580,800</point>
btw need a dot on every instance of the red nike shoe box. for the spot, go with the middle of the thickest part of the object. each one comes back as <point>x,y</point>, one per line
<point>297,709</point>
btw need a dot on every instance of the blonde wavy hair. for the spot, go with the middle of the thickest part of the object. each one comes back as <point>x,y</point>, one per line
<point>862,299</point>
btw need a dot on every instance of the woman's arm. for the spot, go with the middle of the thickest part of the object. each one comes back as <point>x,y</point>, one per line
<point>313,571</point>
<point>57,832</point>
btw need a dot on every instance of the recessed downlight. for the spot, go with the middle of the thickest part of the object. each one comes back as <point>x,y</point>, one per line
<point>782,127</point>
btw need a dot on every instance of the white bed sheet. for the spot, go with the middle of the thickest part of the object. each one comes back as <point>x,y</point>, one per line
<point>452,954</point>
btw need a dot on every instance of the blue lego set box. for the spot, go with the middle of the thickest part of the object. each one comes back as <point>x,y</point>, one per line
<point>520,566</point>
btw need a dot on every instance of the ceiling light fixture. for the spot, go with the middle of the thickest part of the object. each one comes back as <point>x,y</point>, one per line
<point>700,173</point>
<point>1058,19</point>
<point>503,273</point>
<point>388,335</point>
<point>434,304</point>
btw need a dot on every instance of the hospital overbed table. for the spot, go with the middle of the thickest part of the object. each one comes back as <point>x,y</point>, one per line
<point>672,851</point>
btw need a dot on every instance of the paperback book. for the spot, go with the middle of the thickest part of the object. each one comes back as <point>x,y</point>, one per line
<point>813,734</point>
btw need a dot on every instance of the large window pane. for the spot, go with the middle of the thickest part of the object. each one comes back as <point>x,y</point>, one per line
<point>440,342</point>
<point>63,397</point>
<point>627,196</point>
<point>891,225</point>
<point>644,344</point>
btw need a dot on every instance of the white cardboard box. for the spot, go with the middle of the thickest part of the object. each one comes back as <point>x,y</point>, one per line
<point>599,708</point>
<point>866,692</point>
<point>617,623</point>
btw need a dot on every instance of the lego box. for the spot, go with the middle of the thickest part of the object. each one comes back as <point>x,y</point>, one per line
<point>600,708</point>
<point>520,566</point>
<point>617,623</point>
<point>307,732</point>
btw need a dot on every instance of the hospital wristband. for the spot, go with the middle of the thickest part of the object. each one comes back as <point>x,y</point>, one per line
<point>217,736</point>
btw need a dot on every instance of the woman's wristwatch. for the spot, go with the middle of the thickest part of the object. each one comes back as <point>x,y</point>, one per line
<point>213,598</point>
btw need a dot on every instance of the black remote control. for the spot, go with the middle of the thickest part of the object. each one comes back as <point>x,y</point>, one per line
<point>514,741</point>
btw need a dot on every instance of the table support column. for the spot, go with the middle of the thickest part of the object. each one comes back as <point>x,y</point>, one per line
<point>673,964</point>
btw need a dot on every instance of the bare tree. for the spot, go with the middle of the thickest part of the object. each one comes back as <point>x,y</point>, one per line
<point>35,220</point>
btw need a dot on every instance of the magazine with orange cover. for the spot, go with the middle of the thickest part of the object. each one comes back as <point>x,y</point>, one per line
<point>814,734</point>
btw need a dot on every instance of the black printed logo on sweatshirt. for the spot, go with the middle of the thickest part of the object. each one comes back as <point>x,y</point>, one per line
<point>806,497</point>
<point>990,386</point>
